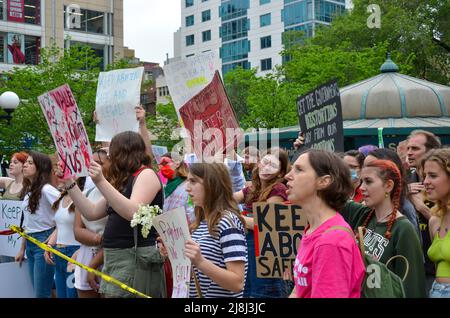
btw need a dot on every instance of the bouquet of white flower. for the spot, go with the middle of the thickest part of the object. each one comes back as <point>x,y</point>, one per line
<point>144,216</point>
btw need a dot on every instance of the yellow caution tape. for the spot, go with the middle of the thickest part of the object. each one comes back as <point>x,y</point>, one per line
<point>106,278</point>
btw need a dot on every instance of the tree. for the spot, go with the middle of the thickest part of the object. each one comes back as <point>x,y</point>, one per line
<point>237,84</point>
<point>409,28</point>
<point>78,67</point>
<point>164,124</point>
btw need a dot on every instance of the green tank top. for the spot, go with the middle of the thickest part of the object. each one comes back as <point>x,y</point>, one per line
<point>10,196</point>
<point>439,253</point>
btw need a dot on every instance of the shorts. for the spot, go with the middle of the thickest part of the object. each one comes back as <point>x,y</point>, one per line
<point>85,256</point>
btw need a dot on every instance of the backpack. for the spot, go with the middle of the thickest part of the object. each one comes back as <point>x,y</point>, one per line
<point>379,281</point>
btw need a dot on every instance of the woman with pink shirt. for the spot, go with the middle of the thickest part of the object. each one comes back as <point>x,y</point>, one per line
<point>328,263</point>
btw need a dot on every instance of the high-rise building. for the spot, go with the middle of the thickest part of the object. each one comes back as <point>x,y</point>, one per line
<point>248,33</point>
<point>28,25</point>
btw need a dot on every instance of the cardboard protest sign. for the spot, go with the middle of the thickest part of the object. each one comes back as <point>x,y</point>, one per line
<point>208,116</point>
<point>15,281</point>
<point>173,229</point>
<point>118,93</point>
<point>68,131</point>
<point>320,117</point>
<point>186,78</point>
<point>278,232</point>
<point>10,213</point>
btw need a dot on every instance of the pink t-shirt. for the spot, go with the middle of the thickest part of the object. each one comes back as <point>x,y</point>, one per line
<point>329,265</point>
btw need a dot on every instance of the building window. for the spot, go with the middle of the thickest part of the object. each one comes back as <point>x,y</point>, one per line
<point>206,36</point>
<point>91,22</point>
<point>235,29</point>
<point>234,51</point>
<point>266,64</point>
<point>233,9</point>
<point>264,20</point>
<point>189,20</point>
<point>189,3</point>
<point>190,40</point>
<point>22,11</point>
<point>266,42</point>
<point>20,48</point>
<point>261,2</point>
<point>206,15</point>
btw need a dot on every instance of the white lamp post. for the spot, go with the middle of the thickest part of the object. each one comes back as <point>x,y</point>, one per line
<point>9,102</point>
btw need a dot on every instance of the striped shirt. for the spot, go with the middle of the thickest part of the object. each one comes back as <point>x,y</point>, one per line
<point>228,247</point>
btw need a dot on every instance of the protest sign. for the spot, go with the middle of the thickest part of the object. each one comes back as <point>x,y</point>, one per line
<point>186,78</point>
<point>158,152</point>
<point>320,117</point>
<point>208,117</point>
<point>278,232</point>
<point>118,93</point>
<point>68,131</point>
<point>15,281</point>
<point>173,229</point>
<point>10,213</point>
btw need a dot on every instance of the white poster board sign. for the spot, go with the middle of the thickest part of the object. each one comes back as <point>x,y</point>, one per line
<point>173,229</point>
<point>69,134</point>
<point>10,213</point>
<point>15,281</point>
<point>158,152</point>
<point>118,93</point>
<point>186,78</point>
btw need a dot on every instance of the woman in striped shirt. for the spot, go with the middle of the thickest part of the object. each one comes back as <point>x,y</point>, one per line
<point>218,250</point>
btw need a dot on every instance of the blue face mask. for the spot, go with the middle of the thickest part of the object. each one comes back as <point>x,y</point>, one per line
<point>354,174</point>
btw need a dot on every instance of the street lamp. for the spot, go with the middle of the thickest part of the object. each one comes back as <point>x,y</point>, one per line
<point>9,102</point>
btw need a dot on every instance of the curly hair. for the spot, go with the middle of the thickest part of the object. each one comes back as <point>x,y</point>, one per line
<point>442,158</point>
<point>128,154</point>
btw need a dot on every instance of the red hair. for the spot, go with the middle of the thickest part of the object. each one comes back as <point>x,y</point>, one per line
<point>21,156</point>
<point>387,170</point>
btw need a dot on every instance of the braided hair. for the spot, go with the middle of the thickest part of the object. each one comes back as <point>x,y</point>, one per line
<point>387,170</point>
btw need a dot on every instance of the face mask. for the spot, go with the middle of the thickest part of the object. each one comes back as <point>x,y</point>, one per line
<point>168,172</point>
<point>354,174</point>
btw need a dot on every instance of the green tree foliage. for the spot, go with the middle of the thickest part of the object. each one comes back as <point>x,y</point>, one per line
<point>78,67</point>
<point>418,29</point>
<point>163,125</point>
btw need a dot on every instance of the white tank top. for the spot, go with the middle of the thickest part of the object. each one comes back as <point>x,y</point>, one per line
<point>64,224</point>
<point>97,226</point>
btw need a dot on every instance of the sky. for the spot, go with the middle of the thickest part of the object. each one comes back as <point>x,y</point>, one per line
<point>149,26</point>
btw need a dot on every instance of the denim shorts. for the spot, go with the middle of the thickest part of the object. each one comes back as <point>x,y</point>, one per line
<point>439,290</point>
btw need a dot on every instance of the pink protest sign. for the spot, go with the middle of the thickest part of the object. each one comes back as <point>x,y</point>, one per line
<point>68,131</point>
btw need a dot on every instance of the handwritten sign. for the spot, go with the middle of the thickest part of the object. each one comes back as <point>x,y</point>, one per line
<point>209,114</point>
<point>10,213</point>
<point>173,229</point>
<point>118,93</point>
<point>320,117</point>
<point>279,231</point>
<point>186,78</point>
<point>69,134</point>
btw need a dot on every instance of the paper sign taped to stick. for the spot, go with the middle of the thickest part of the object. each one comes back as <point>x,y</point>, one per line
<point>209,117</point>
<point>68,131</point>
<point>173,229</point>
<point>118,93</point>
<point>186,78</point>
<point>10,213</point>
<point>278,231</point>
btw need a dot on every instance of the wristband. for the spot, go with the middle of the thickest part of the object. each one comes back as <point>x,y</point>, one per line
<point>71,186</point>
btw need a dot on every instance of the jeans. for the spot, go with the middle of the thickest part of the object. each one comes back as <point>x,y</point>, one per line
<point>440,290</point>
<point>65,280</point>
<point>261,287</point>
<point>41,273</point>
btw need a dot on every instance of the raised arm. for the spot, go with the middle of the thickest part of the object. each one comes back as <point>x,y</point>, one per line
<point>144,191</point>
<point>5,181</point>
<point>143,131</point>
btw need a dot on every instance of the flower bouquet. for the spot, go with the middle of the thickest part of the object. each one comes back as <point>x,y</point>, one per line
<point>144,216</point>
